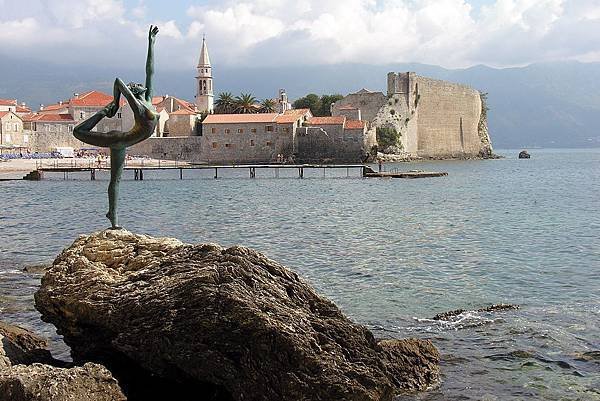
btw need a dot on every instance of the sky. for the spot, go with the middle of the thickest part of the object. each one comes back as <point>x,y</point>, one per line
<point>254,33</point>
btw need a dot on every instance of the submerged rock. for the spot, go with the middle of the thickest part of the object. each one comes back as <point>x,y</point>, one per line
<point>492,308</point>
<point>524,155</point>
<point>217,323</point>
<point>39,382</point>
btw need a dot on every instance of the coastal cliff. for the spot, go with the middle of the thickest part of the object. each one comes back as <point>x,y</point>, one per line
<point>170,319</point>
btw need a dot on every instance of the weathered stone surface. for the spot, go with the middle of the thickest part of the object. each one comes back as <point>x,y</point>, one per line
<point>40,382</point>
<point>232,317</point>
<point>21,346</point>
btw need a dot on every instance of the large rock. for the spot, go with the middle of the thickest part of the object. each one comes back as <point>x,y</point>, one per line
<point>202,318</point>
<point>40,382</point>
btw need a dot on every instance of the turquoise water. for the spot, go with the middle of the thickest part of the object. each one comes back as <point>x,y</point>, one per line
<point>391,253</point>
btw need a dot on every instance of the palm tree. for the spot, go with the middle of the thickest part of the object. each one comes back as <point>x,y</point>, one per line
<point>267,106</point>
<point>225,103</point>
<point>245,104</point>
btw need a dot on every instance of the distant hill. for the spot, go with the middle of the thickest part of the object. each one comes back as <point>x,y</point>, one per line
<point>541,105</point>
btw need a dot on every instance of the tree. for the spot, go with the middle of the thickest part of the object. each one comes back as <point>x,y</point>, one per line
<point>245,104</point>
<point>225,103</point>
<point>319,106</point>
<point>267,106</point>
<point>327,101</point>
<point>310,101</point>
<point>387,136</point>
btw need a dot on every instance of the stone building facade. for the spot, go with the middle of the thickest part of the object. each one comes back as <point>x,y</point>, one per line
<point>436,119</point>
<point>11,129</point>
<point>294,135</point>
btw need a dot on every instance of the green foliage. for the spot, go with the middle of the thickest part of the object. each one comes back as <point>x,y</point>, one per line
<point>484,105</point>
<point>245,104</point>
<point>387,136</point>
<point>327,101</point>
<point>310,101</point>
<point>319,106</point>
<point>225,103</point>
<point>267,106</point>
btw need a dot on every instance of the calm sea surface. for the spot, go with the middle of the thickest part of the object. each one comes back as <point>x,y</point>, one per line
<point>391,253</point>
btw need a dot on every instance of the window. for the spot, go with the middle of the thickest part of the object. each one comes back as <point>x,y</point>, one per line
<point>269,143</point>
<point>253,130</point>
<point>119,115</point>
<point>70,128</point>
<point>251,142</point>
<point>213,130</point>
<point>227,131</point>
<point>268,128</point>
<point>227,145</point>
<point>215,145</point>
<point>240,130</point>
<point>25,138</point>
<point>81,114</point>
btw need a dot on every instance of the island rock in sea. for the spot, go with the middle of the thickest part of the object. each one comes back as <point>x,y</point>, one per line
<point>175,320</point>
<point>26,373</point>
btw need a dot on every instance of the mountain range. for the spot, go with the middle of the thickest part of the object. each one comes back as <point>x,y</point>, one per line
<point>540,105</point>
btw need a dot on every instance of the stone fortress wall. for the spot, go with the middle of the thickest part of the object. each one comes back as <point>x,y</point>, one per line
<point>436,119</point>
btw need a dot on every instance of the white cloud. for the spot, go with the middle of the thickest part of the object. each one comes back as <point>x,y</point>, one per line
<point>278,32</point>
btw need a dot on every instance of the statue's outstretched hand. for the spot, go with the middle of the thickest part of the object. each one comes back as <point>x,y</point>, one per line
<point>111,109</point>
<point>152,33</point>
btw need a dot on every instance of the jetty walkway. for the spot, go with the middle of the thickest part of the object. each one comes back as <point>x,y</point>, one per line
<point>138,169</point>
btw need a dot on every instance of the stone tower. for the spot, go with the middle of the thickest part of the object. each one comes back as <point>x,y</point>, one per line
<point>204,86</point>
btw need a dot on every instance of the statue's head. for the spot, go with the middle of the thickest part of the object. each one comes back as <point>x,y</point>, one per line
<point>138,90</point>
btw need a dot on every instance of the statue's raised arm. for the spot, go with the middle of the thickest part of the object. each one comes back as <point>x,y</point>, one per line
<point>150,61</point>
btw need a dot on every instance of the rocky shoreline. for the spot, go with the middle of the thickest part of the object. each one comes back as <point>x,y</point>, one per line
<point>153,319</point>
<point>407,157</point>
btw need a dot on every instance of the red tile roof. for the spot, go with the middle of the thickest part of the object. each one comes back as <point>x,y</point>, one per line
<point>37,117</point>
<point>184,111</point>
<point>337,120</point>
<point>240,118</point>
<point>53,108</point>
<point>23,109</point>
<point>348,107</point>
<point>3,113</point>
<point>355,124</point>
<point>8,102</point>
<point>91,99</point>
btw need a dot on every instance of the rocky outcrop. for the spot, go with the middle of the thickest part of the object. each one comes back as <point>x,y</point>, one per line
<point>39,382</point>
<point>492,308</point>
<point>20,346</point>
<point>217,323</point>
<point>524,155</point>
<point>26,373</point>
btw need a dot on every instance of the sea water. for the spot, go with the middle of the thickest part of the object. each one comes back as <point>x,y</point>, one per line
<point>391,253</point>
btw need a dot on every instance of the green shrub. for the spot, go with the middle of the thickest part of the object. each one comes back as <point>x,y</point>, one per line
<point>387,136</point>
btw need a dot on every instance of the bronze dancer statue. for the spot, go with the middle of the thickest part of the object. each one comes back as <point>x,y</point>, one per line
<point>140,100</point>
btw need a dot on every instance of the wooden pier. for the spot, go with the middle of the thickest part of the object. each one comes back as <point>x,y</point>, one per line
<point>138,170</point>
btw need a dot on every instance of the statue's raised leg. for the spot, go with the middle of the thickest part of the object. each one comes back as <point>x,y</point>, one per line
<point>117,161</point>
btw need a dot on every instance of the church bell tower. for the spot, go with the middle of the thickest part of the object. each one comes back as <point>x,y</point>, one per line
<point>204,82</point>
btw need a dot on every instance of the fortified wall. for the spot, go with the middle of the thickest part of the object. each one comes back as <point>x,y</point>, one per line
<point>436,119</point>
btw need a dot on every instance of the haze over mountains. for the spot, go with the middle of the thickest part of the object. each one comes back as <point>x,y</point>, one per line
<point>540,105</point>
